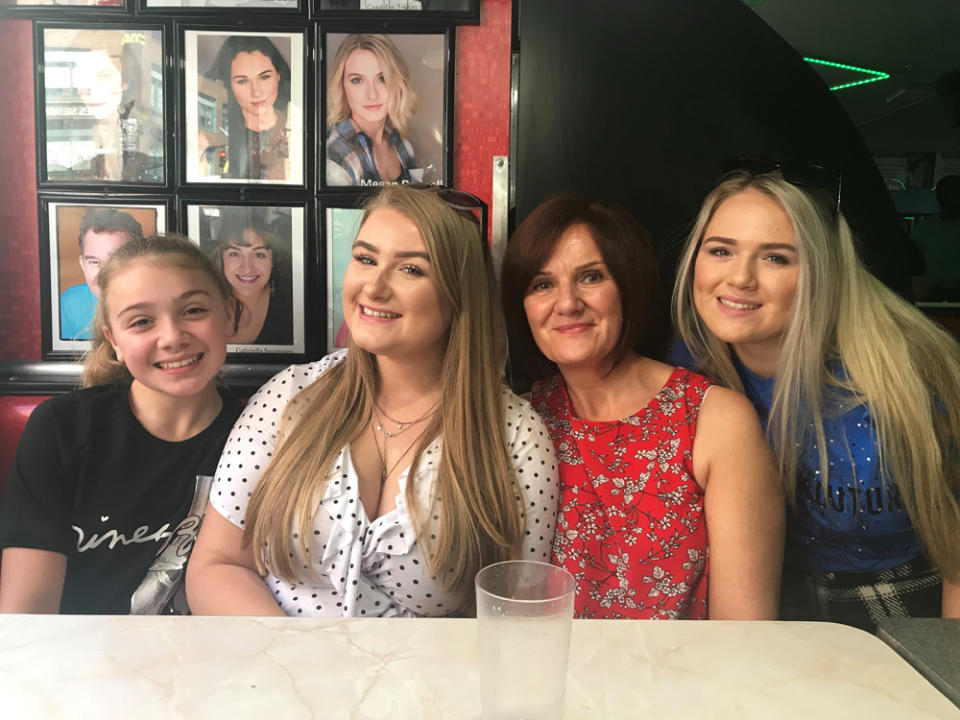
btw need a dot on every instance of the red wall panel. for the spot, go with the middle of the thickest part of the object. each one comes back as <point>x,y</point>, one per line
<point>19,248</point>
<point>482,110</point>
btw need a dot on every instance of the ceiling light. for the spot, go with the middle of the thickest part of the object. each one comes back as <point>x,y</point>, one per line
<point>874,75</point>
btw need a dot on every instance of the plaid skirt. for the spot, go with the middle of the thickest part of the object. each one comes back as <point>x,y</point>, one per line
<point>913,589</point>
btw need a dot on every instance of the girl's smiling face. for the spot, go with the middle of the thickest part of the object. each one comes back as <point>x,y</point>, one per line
<point>746,274</point>
<point>390,300</point>
<point>168,325</point>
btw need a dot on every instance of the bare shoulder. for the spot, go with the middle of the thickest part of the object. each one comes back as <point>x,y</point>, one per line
<point>725,407</point>
<point>728,431</point>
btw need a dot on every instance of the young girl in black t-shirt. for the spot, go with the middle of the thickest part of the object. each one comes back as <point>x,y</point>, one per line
<point>109,484</point>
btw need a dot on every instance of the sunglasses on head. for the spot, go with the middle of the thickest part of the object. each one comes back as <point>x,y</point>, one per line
<point>804,175</point>
<point>466,204</point>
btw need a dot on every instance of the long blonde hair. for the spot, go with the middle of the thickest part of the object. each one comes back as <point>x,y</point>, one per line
<point>475,495</point>
<point>100,364</point>
<point>403,100</point>
<point>887,354</point>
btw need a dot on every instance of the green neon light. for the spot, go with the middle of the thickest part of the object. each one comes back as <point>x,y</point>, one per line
<point>875,75</point>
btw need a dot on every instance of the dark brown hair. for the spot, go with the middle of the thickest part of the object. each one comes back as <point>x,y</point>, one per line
<point>628,252</point>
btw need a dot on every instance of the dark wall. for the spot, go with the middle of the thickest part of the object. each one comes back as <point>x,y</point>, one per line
<point>639,101</point>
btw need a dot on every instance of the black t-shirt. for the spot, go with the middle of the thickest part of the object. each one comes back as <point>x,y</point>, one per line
<point>91,483</point>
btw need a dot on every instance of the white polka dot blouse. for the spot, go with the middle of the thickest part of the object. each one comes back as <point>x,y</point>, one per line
<point>362,567</point>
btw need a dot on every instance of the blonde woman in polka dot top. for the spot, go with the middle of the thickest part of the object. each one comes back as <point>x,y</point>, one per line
<point>378,480</point>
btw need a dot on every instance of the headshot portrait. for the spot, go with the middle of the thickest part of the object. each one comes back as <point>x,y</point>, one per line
<point>381,5</point>
<point>274,4</point>
<point>103,114</point>
<point>259,250</point>
<point>82,237</point>
<point>71,3</point>
<point>385,109</point>
<point>244,107</point>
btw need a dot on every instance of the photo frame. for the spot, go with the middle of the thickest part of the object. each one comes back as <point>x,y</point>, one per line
<point>393,88</point>
<point>77,235</point>
<point>460,11</point>
<point>101,111</point>
<point>62,8</point>
<point>215,6</point>
<point>340,230</point>
<point>256,134</point>
<point>261,250</point>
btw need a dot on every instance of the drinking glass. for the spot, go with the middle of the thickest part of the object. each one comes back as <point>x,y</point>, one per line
<point>524,609</point>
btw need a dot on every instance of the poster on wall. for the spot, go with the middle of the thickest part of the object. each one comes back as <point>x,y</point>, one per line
<point>238,4</point>
<point>102,113</point>
<point>386,109</point>
<point>464,9</point>
<point>63,3</point>
<point>342,225</point>
<point>260,251</point>
<point>81,236</point>
<point>244,96</point>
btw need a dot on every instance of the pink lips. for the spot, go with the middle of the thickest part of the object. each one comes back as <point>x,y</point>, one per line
<point>734,311</point>
<point>573,328</point>
<point>371,108</point>
<point>365,310</point>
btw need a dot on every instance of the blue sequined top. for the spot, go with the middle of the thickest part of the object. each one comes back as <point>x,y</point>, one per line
<point>857,524</point>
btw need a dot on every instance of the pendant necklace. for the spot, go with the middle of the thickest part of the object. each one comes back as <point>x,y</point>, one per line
<point>402,426</point>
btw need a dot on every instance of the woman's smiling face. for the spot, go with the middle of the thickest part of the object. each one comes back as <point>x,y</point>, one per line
<point>247,264</point>
<point>573,304</point>
<point>746,274</point>
<point>390,299</point>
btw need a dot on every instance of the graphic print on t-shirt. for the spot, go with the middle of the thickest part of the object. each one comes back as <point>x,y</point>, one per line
<point>161,591</point>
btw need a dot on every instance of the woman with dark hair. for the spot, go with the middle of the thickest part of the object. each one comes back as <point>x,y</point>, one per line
<point>663,475</point>
<point>257,79</point>
<point>256,263</point>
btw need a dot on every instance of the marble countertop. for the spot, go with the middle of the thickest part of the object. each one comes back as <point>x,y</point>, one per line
<point>931,645</point>
<point>290,668</point>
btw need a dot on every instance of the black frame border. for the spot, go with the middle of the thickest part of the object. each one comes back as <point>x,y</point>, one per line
<point>43,215</point>
<point>309,261</point>
<point>450,35</point>
<point>40,104</point>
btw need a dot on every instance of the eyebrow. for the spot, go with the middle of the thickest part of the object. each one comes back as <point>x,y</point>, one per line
<point>409,254</point>
<point>578,268</point>
<point>251,247</point>
<point>146,305</point>
<point>762,246</point>
<point>261,73</point>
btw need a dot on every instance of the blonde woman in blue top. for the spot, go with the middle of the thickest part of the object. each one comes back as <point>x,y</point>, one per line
<point>859,391</point>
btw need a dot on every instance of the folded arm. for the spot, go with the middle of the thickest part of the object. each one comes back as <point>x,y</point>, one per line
<point>222,577</point>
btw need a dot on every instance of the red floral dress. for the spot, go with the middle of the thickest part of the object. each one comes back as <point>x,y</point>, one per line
<point>631,526</point>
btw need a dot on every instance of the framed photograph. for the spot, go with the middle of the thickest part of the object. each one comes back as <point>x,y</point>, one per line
<point>101,105</point>
<point>387,108</point>
<point>244,106</point>
<point>461,11</point>
<point>258,5</point>
<point>47,8</point>
<point>260,250</point>
<point>78,235</point>
<point>340,229</point>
